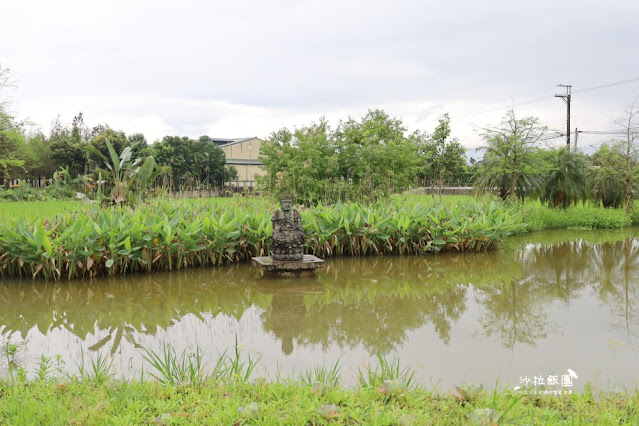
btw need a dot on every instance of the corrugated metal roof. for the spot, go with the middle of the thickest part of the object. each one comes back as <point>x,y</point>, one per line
<point>242,162</point>
<point>221,142</point>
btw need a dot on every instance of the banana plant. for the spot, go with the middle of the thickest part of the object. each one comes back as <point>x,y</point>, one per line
<point>127,176</point>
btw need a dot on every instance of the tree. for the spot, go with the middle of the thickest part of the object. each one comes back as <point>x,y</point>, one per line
<point>192,162</point>
<point>42,164</point>
<point>14,152</point>
<point>361,159</point>
<point>12,147</point>
<point>5,82</point>
<point>209,162</point>
<point>509,162</point>
<point>68,149</point>
<point>565,185</point>
<point>117,139</point>
<point>629,152</point>
<point>442,156</point>
<point>302,162</point>
<point>607,175</point>
<point>375,154</point>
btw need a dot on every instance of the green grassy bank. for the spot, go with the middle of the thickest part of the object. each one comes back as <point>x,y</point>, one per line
<point>294,403</point>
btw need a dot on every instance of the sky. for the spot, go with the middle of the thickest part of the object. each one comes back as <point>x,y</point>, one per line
<point>232,69</point>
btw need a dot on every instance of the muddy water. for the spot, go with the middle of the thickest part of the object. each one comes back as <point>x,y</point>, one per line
<point>541,305</point>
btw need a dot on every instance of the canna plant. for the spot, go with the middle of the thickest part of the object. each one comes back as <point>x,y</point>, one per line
<point>167,236</point>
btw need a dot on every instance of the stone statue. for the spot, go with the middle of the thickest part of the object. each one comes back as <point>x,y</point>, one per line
<point>287,242</point>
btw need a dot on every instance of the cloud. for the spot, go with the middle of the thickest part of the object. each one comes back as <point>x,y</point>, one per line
<point>248,67</point>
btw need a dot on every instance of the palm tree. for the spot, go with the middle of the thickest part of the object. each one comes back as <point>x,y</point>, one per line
<point>566,183</point>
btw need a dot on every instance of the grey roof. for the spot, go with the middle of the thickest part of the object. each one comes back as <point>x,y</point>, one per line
<point>241,161</point>
<point>225,142</point>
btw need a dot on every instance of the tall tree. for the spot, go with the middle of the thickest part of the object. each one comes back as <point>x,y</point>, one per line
<point>565,184</point>
<point>375,154</point>
<point>192,162</point>
<point>509,163</point>
<point>5,82</point>
<point>630,125</point>
<point>442,156</point>
<point>13,149</point>
<point>117,139</point>
<point>607,175</point>
<point>68,148</point>
<point>14,152</point>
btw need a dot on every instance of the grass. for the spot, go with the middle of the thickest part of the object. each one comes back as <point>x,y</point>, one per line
<point>583,216</point>
<point>294,403</point>
<point>33,210</point>
<point>387,374</point>
<point>386,394</point>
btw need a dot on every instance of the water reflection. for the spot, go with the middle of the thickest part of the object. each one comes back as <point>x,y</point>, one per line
<point>380,305</point>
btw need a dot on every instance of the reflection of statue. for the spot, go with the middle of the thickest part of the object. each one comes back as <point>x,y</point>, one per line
<point>288,235</point>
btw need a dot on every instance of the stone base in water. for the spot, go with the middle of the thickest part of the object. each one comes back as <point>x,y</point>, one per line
<point>288,268</point>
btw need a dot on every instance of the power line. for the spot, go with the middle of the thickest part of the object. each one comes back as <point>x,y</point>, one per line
<point>505,107</point>
<point>607,132</point>
<point>607,85</point>
<point>588,89</point>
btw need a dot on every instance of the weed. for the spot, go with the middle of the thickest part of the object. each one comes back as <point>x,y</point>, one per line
<point>186,368</point>
<point>44,369</point>
<point>389,371</point>
<point>100,368</point>
<point>238,370</point>
<point>323,375</point>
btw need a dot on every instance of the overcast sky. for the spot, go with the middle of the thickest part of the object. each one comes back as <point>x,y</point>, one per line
<point>247,68</point>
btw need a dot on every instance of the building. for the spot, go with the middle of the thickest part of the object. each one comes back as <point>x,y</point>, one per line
<point>243,154</point>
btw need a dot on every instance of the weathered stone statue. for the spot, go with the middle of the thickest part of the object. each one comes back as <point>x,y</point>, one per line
<point>287,242</point>
<point>287,259</point>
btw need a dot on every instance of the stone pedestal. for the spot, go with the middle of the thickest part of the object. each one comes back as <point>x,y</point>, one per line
<point>288,268</point>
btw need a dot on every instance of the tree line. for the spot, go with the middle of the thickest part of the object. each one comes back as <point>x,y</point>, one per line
<point>372,157</point>
<point>517,164</point>
<point>70,150</point>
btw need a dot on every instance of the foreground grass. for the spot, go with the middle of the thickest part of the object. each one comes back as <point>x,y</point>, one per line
<point>295,403</point>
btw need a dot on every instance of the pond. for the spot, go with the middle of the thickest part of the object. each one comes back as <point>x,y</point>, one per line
<point>541,305</point>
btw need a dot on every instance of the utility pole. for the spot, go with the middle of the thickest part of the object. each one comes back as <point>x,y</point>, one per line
<point>566,99</point>
<point>576,137</point>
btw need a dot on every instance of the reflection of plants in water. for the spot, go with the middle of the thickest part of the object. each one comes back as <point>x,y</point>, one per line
<point>515,311</point>
<point>564,269</point>
<point>373,302</point>
<point>618,284</point>
<point>560,270</point>
<point>125,306</point>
